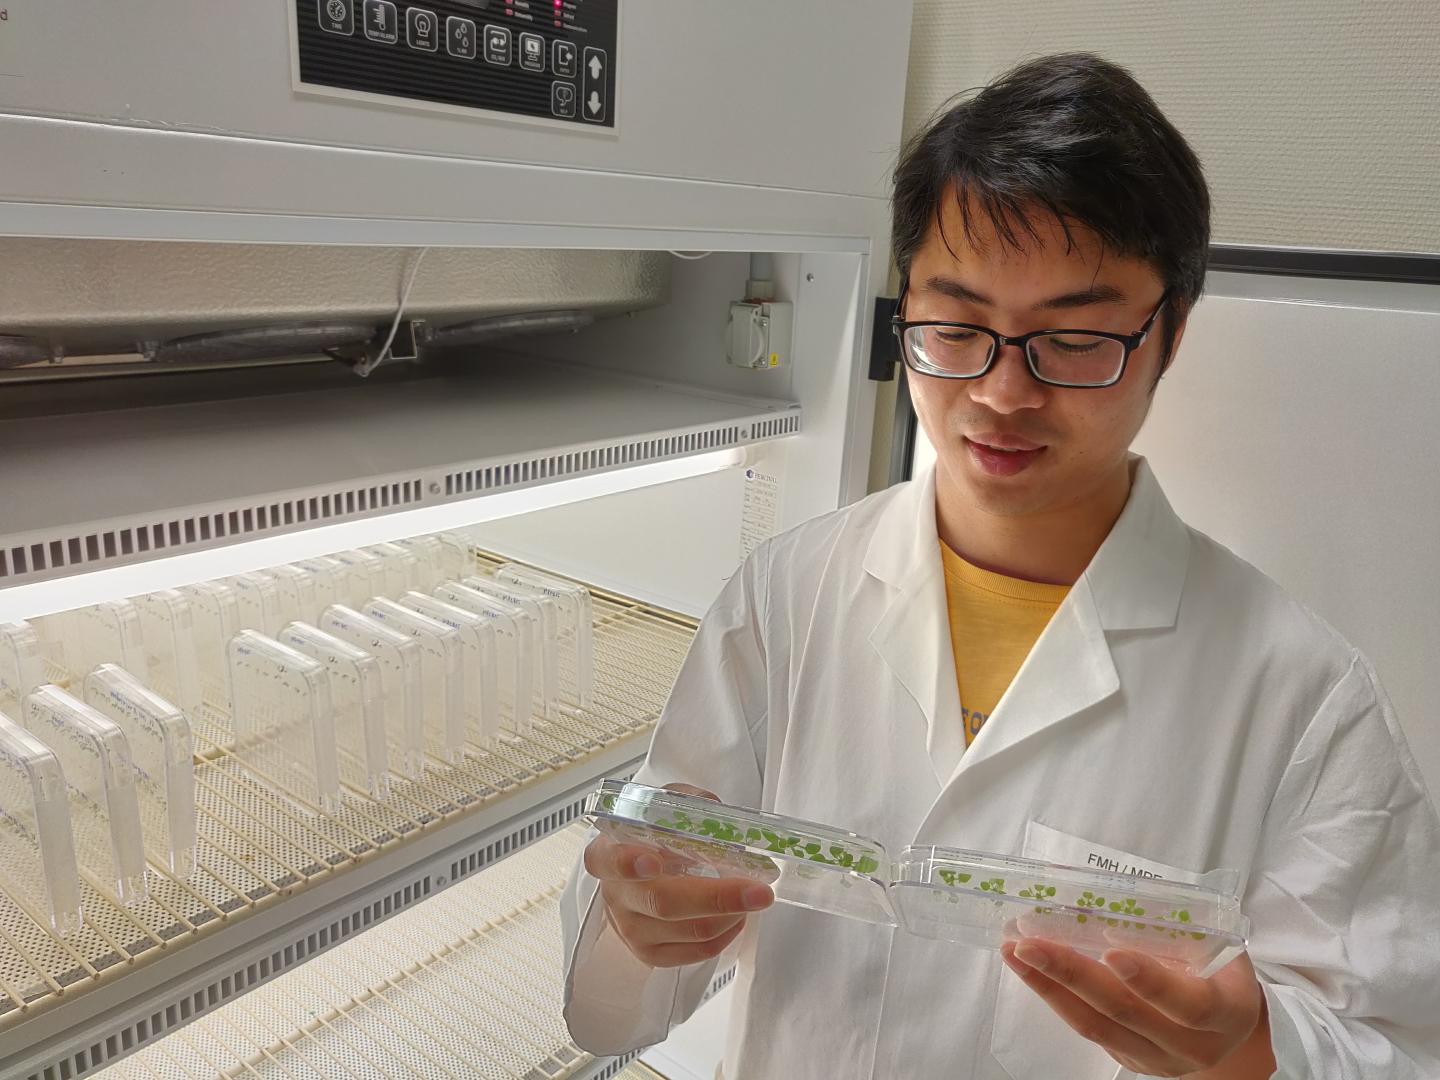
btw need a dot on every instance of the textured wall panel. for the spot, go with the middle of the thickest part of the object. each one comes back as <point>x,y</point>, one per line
<point>1318,120</point>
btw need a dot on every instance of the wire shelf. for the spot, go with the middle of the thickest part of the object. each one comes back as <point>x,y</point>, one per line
<point>466,984</point>
<point>256,847</point>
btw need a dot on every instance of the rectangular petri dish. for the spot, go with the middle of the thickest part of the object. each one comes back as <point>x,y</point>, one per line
<point>258,599</point>
<point>104,633</point>
<point>808,865</point>
<point>167,628</point>
<point>400,674</point>
<point>364,577</point>
<point>37,847</point>
<point>514,655</point>
<point>163,753</point>
<point>429,553</point>
<point>284,725</point>
<point>576,629</point>
<point>399,569</point>
<point>539,615</point>
<point>479,663</point>
<point>22,667</point>
<point>215,616</point>
<point>457,556</point>
<point>298,597</point>
<point>331,579</point>
<point>94,757</point>
<point>984,900</point>
<point>357,700</point>
<point>441,676</point>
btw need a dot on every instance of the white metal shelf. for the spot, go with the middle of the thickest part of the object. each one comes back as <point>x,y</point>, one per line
<point>468,984</point>
<point>87,490</point>
<point>275,885</point>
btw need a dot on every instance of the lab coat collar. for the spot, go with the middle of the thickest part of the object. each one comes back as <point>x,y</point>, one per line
<point>1133,582</point>
<point>1135,579</point>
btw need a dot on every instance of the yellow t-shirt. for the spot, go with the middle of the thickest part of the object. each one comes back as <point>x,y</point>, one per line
<point>994,622</point>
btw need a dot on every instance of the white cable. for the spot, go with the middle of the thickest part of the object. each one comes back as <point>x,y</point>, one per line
<point>692,258</point>
<point>404,300</point>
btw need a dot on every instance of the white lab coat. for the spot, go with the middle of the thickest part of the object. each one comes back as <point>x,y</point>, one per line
<point>1179,713</point>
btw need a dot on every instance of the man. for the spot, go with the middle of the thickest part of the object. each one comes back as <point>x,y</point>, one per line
<point>1026,652</point>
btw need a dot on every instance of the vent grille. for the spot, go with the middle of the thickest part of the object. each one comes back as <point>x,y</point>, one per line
<point>530,470</point>
<point>122,544</point>
<point>769,429</point>
<point>498,849</point>
<point>297,951</point>
<point>238,981</point>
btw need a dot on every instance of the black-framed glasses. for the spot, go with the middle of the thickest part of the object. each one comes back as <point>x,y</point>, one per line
<point>1078,359</point>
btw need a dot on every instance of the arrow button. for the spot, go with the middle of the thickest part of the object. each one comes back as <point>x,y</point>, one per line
<point>595,90</point>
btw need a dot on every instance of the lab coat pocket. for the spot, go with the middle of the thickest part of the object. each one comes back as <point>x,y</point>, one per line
<point>1028,1040</point>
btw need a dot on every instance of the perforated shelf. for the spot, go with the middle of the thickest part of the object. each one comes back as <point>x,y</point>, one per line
<point>467,984</point>
<point>275,885</point>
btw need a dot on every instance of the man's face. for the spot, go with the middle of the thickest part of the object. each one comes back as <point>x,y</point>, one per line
<point>1007,444</point>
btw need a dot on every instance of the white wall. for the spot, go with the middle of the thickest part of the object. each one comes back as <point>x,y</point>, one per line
<point>1315,119</point>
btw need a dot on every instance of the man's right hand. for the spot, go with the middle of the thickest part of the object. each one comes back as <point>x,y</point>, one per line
<point>670,920</point>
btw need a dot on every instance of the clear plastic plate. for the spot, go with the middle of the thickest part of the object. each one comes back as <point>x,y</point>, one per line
<point>95,760</point>
<point>441,677</point>
<point>284,725</point>
<point>429,555</point>
<point>299,600</point>
<point>985,900</point>
<point>400,672</point>
<point>215,615</point>
<point>163,753</point>
<point>364,577</point>
<point>482,693</point>
<point>357,699</point>
<point>258,597</point>
<point>104,633</point>
<point>809,865</point>
<point>539,615</point>
<point>37,847</point>
<point>22,668</point>
<point>167,628</point>
<point>331,580</point>
<point>399,569</point>
<point>577,621</point>
<point>457,556</point>
<point>513,651</point>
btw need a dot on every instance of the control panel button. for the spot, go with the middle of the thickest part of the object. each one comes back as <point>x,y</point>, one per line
<point>592,92</point>
<point>497,45</point>
<point>460,37</point>
<point>337,16</point>
<point>562,100</point>
<point>532,52</point>
<point>563,58</point>
<point>381,22</point>
<point>422,29</point>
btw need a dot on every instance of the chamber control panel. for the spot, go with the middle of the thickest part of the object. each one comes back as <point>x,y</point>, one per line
<point>547,59</point>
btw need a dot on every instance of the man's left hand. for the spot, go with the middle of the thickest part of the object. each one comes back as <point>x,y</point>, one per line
<point>1150,1018</point>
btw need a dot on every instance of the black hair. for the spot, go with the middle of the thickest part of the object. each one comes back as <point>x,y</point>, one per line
<point>1075,137</point>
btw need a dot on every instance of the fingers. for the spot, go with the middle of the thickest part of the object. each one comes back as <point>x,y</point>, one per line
<point>1217,1004</point>
<point>611,861</point>
<point>1087,1021</point>
<point>681,954</point>
<point>679,899</point>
